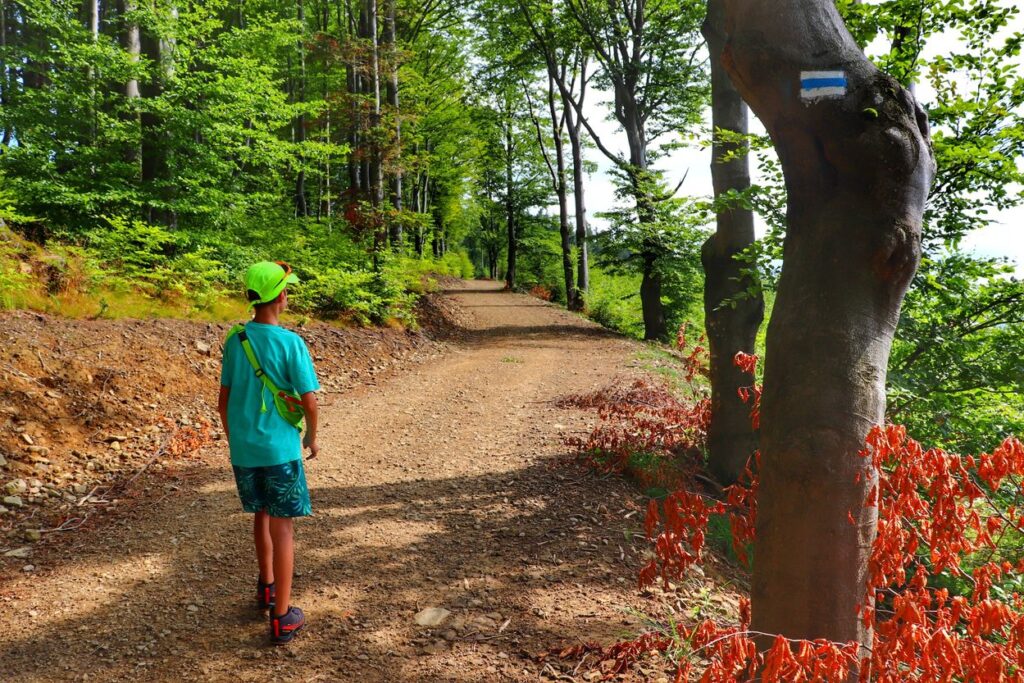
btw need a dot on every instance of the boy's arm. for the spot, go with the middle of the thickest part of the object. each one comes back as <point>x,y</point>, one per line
<point>312,410</point>
<point>222,408</point>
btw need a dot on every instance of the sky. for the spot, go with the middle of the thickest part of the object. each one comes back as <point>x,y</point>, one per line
<point>1003,238</point>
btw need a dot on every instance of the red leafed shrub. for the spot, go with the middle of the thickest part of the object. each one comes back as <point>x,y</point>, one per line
<point>644,430</point>
<point>542,292</point>
<point>942,516</point>
<point>946,556</point>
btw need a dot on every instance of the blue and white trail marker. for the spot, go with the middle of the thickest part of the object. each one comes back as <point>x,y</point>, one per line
<point>821,85</point>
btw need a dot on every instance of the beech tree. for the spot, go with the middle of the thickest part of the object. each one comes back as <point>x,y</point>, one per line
<point>733,303</point>
<point>855,150</point>
<point>648,54</point>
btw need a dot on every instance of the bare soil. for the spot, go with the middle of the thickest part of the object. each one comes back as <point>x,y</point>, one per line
<point>442,482</point>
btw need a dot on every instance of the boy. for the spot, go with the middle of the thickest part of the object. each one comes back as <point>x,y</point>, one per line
<point>266,452</point>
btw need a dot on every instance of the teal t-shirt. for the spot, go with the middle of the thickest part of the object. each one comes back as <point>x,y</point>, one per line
<point>259,438</point>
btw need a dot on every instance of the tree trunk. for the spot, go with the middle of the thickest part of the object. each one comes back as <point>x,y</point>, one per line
<point>563,200</point>
<point>132,41</point>
<point>93,11</point>
<point>650,300</point>
<point>856,155</point>
<point>732,311</point>
<point>365,183</point>
<point>380,238</point>
<point>301,203</point>
<point>576,145</point>
<point>5,82</point>
<point>132,45</point>
<point>650,287</point>
<point>153,162</point>
<point>392,95</point>
<point>376,171</point>
<point>352,87</point>
<point>510,211</point>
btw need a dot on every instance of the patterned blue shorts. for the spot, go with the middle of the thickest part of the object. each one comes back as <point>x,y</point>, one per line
<point>279,489</point>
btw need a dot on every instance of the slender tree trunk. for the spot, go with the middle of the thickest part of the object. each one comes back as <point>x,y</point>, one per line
<point>159,50</point>
<point>392,96</point>
<point>856,155</point>
<point>5,81</point>
<point>510,211</point>
<point>573,126</point>
<point>650,288</point>
<point>732,313</point>
<point>380,239</point>
<point>301,203</point>
<point>132,45</point>
<point>365,182</point>
<point>93,8</point>
<point>563,201</point>
<point>376,169</point>
<point>132,41</point>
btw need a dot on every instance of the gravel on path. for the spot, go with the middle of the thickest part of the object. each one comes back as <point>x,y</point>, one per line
<point>439,487</point>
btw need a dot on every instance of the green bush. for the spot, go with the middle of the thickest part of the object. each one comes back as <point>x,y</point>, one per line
<point>614,302</point>
<point>15,281</point>
<point>458,264</point>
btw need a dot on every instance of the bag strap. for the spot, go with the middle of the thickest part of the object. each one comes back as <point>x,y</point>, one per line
<point>250,353</point>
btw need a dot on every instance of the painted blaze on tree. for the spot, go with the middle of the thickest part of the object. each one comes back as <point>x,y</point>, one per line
<point>856,154</point>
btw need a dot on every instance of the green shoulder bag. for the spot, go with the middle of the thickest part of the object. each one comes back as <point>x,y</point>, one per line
<point>288,403</point>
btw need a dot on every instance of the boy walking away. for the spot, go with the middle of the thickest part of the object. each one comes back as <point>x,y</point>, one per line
<point>266,451</point>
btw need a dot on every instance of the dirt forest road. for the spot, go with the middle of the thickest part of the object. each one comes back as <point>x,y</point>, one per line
<point>434,488</point>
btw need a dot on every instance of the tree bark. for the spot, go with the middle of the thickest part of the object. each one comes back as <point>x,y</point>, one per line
<point>392,97</point>
<point>301,202</point>
<point>376,169</point>
<point>650,300</point>
<point>5,81</point>
<point>543,35</point>
<point>132,45</point>
<point>573,126</point>
<point>155,171</point>
<point>510,211</point>
<point>732,310</point>
<point>858,165</point>
<point>556,171</point>
<point>563,199</point>
<point>132,41</point>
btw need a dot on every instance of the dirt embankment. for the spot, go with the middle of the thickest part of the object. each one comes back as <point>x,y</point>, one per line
<point>86,405</point>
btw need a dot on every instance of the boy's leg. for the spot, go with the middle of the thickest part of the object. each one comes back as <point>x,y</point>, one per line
<point>264,546</point>
<point>282,533</point>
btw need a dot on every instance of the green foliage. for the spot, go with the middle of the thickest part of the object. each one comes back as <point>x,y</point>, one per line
<point>540,254</point>
<point>15,280</point>
<point>957,372</point>
<point>614,301</point>
<point>670,237</point>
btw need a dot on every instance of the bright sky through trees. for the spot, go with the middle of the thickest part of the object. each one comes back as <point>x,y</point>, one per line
<point>1003,238</point>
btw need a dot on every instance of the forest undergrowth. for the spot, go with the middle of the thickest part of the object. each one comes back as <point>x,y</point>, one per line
<point>946,571</point>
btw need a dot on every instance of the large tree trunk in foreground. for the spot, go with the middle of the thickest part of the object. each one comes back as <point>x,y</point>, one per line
<point>732,313</point>
<point>856,155</point>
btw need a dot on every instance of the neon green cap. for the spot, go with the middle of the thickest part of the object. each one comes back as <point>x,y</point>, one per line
<point>267,279</point>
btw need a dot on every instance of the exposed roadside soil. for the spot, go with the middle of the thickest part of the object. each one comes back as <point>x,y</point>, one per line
<point>441,483</point>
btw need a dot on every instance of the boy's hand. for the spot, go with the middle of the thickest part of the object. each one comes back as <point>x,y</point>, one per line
<point>309,441</point>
